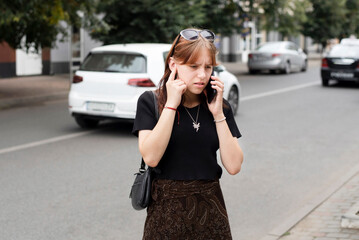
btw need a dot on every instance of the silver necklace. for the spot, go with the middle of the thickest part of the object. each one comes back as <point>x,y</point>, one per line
<point>195,123</point>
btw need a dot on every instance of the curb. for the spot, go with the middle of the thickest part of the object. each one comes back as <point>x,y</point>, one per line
<point>290,222</point>
<point>351,218</point>
<point>25,101</point>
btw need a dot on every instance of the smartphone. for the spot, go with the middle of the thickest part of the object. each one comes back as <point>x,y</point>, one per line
<point>211,93</point>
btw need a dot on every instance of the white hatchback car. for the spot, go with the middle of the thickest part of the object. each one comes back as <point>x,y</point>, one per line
<point>112,78</point>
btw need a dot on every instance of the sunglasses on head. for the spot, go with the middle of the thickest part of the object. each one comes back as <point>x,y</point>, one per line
<point>192,35</point>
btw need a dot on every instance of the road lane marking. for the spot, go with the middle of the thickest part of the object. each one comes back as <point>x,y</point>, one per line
<point>69,136</point>
<point>283,90</point>
<point>43,142</point>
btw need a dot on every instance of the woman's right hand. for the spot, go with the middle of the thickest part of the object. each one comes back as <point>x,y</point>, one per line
<point>175,90</point>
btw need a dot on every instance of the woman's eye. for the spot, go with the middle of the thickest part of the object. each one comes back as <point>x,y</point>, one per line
<point>193,66</point>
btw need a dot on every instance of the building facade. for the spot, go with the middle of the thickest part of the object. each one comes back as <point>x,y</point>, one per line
<point>65,55</point>
<point>7,61</point>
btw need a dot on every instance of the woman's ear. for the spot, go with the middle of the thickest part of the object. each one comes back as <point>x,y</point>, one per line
<point>172,64</point>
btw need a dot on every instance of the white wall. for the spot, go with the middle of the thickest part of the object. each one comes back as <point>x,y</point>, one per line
<point>89,44</point>
<point>28,63</point>
<point>61,52</point>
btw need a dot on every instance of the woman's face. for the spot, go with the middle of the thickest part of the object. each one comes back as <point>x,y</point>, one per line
<point>196,75</point>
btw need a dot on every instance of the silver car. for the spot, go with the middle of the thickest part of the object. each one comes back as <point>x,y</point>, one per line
<point>283,56</point>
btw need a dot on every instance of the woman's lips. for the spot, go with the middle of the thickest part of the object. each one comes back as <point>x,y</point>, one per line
<point>199,84</point>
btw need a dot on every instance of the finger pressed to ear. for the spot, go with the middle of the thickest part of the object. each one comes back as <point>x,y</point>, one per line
<point>173,74</point>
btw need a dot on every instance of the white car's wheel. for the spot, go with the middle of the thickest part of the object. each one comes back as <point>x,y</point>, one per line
<point>233,97</point>
<point>287,68</point>
<point>305,66</point>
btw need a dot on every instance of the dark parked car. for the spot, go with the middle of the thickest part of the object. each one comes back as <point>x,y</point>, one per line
<point>341,64</point>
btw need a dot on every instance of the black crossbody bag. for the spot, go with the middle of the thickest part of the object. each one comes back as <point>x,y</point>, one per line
<point>141,189</point>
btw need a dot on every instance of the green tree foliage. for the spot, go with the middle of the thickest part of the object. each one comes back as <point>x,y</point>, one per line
<point>351,20</point>
<point>129,21</point>
<point>221,16</point>
<point>285,16</point>
<point>325,20</point>
<point>249,10</point>
<point>35,23</point>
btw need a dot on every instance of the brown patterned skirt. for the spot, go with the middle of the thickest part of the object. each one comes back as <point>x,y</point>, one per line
<point>186,210</point>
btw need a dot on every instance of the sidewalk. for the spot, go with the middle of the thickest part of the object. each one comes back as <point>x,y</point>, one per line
<point>23,91</point>
<point>326,222</point>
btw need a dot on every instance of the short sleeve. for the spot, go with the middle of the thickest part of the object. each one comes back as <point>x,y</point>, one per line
<point>227,110</point>
<point>145,114</point>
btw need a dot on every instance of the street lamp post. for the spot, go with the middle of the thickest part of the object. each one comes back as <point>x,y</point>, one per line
<point>76,45</point>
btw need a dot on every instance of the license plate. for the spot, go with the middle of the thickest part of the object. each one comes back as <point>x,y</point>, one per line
<point>342,75</point>
<point>259,57</point>
<point>100,106</point>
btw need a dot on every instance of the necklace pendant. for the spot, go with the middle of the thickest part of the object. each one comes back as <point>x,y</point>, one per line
<point>196,126</point>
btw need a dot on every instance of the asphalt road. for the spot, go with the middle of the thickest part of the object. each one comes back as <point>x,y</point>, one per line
<point>60,182</point>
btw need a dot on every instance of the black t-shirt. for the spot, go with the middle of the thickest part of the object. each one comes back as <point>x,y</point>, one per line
<point>190,155</point>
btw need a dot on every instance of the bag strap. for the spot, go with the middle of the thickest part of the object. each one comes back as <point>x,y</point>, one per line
<point>156,105</point>
<point>143,164</point>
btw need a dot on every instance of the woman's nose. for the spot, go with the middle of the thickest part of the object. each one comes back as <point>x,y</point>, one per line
<point>201,73</point>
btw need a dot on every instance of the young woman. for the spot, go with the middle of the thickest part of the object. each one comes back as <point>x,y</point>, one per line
<point>187,201</point>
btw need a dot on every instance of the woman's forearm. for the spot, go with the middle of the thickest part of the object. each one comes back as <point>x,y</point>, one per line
<point>230,151</point>
<point>153,144</point>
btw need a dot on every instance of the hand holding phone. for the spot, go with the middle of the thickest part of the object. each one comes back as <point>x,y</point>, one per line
<point>211,93</point>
